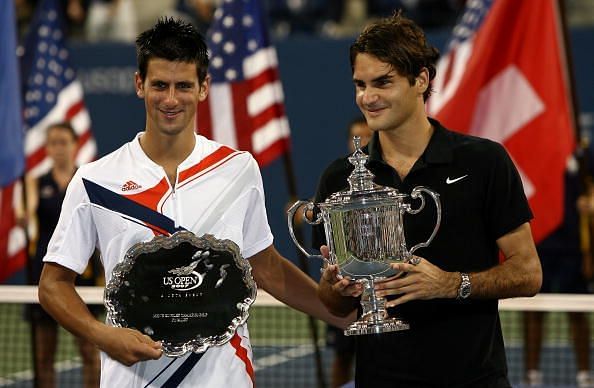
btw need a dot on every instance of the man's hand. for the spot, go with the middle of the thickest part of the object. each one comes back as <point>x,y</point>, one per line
<point>340,285</point>
<point>128,346</point>
<point>58,297</point>
<point>421,281</point>
<point>337,293</point>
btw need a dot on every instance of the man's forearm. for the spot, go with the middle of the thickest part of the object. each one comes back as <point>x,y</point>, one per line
<point>508,280</point>
<point>63,303</point>
<point>519,275</point>
<point>59,297</point>
<point>287,283</point>
<point>301,292</point>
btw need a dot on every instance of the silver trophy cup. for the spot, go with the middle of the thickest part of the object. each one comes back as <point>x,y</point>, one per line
<point>364,232</point>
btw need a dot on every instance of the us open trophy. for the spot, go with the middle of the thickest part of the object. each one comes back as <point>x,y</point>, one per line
<point>365,234</point>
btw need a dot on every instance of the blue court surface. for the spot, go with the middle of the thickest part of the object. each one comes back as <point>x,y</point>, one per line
<point>294,366</point>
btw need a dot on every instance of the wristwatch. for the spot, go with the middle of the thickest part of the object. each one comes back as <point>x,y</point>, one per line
<point>464,289</point>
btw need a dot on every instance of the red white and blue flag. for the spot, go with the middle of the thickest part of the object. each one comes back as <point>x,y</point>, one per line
<point>52,94</point>
<point>504,77</point>
<point>245,108</point>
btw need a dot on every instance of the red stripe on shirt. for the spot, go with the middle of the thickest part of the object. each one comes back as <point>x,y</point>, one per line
<point>242,353</point>
<point>151,197</point>
<point>209,170</point>
<point>156,230</point>
<point>220,154</point>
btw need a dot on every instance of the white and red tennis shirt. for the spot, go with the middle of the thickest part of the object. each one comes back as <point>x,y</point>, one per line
<point>218,191</point>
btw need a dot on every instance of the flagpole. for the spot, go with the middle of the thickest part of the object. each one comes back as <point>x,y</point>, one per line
<point>30,279</point>
<point>568,60</point>
<point>585,220</point>
<point>303,264</point>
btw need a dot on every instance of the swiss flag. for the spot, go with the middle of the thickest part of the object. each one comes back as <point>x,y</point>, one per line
<point>504,77</point>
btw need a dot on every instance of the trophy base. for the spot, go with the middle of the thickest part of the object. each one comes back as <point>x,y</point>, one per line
<point>384,326</point>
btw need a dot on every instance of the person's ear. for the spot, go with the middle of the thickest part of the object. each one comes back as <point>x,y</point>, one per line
<point>204,88</point>
<point>139,85</point>
<point>422,80</point>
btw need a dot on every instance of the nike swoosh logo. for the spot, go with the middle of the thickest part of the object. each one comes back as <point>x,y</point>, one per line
<point>450,181</point>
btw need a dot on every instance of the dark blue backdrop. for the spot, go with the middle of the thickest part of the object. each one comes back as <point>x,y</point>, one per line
<point>319,103</point>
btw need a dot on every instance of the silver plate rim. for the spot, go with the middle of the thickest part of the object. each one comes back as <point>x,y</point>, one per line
<point>206,241</point>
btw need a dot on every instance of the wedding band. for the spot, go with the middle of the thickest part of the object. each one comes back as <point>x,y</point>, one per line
<point>415,260</point>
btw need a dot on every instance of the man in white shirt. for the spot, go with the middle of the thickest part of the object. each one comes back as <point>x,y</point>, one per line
<point>167,178</point>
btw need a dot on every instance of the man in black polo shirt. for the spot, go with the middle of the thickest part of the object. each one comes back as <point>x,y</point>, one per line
<point>449,297</point>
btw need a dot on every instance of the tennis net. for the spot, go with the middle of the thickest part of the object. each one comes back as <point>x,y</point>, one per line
<point>284,355</point>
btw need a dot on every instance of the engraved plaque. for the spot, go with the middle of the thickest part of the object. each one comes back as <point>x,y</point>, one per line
<point>186,291</point>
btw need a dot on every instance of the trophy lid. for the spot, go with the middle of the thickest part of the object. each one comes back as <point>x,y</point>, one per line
<point>362,190</point>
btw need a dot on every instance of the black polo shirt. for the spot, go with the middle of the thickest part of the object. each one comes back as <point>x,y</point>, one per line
<point>450,343</point>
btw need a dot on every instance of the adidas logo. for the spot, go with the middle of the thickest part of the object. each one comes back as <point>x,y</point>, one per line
<point>130,185</point>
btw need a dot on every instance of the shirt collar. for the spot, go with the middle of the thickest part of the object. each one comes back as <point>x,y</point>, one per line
<point>195,156</point>
<point>439,149</point>
<point>138,152</point>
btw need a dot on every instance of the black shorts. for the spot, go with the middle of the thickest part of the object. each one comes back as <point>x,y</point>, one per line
<point>341,343</point>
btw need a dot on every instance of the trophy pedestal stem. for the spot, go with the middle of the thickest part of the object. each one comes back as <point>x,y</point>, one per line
<point>374,319</point>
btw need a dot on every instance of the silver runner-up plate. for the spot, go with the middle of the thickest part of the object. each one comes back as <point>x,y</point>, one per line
<point>186,291</point>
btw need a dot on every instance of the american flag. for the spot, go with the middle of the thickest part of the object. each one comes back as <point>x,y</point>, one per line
<point>52,92</point>
<point>51,95</point>
<point>12,237</point>
<point>245,107</point>
<point>504,77</point>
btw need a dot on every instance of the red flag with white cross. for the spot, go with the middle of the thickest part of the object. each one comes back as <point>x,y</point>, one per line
<point>504,77</point>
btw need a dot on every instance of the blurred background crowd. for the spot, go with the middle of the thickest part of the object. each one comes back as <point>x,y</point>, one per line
<point>121,20</point>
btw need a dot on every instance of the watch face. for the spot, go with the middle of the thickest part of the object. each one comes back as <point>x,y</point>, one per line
<point>464,290</point>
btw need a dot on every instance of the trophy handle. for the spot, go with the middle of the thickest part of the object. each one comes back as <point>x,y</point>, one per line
<point>290,217</point>
<point>417,193</point>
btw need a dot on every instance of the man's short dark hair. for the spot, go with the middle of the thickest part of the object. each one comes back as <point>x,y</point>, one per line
<point>173,40</point>
<point>400,42</point>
